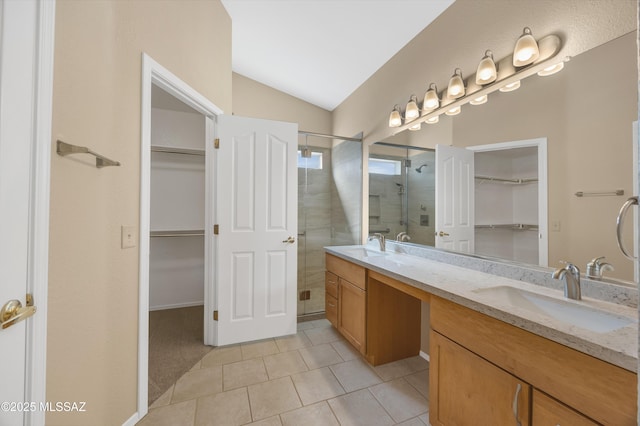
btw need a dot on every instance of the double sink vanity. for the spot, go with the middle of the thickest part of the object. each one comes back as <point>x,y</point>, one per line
<point>505,346</point>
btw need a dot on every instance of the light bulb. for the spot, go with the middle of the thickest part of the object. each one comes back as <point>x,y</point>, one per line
<point>453,111</point>
<point>486,72</point>
<point>510,87</point>
<point>412,112</point>
<point>456,85</point>
<point>479,100</point>
<point>431,100</point>
<point>526,50</point>
<point>416,127</point>
<point>551,69</point>
<point>395,119</point>
<point>433,120</point>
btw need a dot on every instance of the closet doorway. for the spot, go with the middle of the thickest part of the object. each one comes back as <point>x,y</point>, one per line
<point>177,240</point>
<point>511,200</point>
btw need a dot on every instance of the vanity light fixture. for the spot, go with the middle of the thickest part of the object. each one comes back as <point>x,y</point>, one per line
<point>456,85</point>
<point>526,50</point>
<point>529,57</point>
<point>487,72</point>
<point>479,100</point>
<point>395,118</point>
<point>412,111</point>
<point>416,127</point>
<point>431,100</point>
<point>454,111</point>
<point>510,87</point>
<point>551,69</point>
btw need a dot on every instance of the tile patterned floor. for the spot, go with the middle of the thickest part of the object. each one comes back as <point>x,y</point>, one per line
<point>312,378</point>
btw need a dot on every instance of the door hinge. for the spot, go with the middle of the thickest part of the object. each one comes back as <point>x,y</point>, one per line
<point>216,143</point>
<point>215,315</point>
<point>216,229</point>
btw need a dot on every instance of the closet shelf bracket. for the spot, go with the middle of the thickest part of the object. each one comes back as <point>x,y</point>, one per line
<point>63,149</point>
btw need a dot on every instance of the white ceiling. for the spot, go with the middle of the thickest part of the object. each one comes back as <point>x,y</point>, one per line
<point>322,50</point>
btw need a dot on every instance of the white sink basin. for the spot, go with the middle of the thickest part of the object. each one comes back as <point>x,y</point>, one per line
<point>569,312</point>
<point>363,252</point>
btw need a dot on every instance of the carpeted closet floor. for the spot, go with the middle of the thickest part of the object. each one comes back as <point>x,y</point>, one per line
<point>175,345</point>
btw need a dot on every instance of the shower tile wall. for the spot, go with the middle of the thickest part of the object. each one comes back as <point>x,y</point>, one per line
<point>385,204</point>
<point>422,198</point>
<point>346,212</point>
<point>314,222</point>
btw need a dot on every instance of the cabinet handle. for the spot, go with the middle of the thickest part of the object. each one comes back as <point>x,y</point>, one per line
<point>515,404</point>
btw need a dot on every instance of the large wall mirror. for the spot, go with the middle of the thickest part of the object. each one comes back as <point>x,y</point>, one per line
<point>585,114</point>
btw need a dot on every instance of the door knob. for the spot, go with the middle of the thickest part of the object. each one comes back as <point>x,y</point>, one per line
<point>289,240</point>
<point>12,312</point>
<point>443,234</point>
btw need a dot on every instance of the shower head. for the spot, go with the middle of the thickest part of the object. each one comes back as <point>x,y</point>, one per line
<point>419,169</point>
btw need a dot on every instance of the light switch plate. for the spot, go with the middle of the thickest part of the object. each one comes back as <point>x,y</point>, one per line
<point>128,236</point>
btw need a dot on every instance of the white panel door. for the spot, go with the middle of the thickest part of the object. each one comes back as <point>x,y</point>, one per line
<point>22,168</point>
<point>455,225</point>
<point>257,214</point>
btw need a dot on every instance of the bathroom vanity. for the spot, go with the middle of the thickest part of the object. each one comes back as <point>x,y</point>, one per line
<point>495,353</point>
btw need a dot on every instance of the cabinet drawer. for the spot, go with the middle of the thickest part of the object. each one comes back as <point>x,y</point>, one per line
<point>331,283</point>
<point>351,272</point>
<point>331,309</point>
<point>550,412</point>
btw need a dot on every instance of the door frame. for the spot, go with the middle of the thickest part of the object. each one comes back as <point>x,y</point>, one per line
<point>155,74</point>
<point>543,226</point>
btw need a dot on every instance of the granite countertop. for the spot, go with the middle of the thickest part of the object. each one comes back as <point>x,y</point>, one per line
<point>465,287</point>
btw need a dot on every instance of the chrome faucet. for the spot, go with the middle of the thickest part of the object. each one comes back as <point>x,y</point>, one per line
<point>403,236</point>
<point>571,276</point>
<point>595,268</point>
<point>380,239</point>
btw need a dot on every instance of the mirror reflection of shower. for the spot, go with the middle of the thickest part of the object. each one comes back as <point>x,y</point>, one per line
<point>402,192</point>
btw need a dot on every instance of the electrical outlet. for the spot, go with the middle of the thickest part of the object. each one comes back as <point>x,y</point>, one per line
<point>128,236</point>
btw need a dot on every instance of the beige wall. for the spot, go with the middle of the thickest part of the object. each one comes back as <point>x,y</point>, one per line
<point>253,99</point>
<point>93,283</point>
<point>581,128</point>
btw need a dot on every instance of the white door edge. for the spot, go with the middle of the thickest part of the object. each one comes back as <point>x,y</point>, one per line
<point>543,218</point>
<point>36,362</point>
<point>155,74</point>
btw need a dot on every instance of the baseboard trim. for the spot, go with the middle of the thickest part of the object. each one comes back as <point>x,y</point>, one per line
<point>132,420</point>
<point>425,356</point>
<point>176,306</point>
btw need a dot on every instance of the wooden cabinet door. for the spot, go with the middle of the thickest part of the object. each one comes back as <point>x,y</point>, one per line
<point>351,318</point>
<point>465,389</point>
<point>547,411</point>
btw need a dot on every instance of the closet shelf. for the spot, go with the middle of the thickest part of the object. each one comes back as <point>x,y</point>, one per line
<point>515,181</point>
<point>174,150</point>
<point>181,233</point>
<point>511,226</point>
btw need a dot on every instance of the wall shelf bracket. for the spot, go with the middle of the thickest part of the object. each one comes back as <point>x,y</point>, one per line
<point>63,149</point>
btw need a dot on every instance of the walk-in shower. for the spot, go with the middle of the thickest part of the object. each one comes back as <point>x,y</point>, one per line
<point>402,196</point>
<point>329,209</point>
